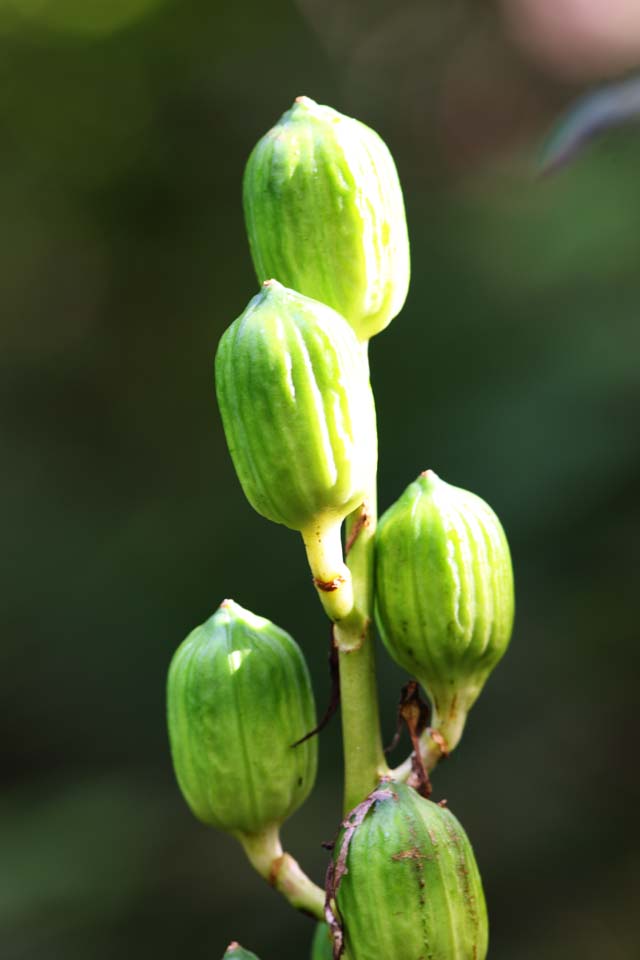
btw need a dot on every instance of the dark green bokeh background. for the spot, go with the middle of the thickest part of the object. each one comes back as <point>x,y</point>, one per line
<point>512,371</point>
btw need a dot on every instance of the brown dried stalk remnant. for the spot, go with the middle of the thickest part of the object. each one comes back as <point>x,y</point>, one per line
<point>328,586</point>
<point>414,713</point>
<point>338,865</point>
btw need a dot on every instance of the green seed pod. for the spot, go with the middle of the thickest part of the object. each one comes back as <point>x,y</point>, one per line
<point>298,413</point>
<point>238,697</point>
<point>406,881</point>
<point>321,947</point>
<point>235,952</point>
<point>444,594</point>
<point>325,214</point>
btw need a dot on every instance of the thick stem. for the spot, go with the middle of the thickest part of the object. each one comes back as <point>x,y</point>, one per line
<point>282,872</point>
<point>364,761</point>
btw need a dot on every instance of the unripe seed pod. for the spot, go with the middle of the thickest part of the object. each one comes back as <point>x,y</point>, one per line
<point>444,594</point>
<point>325,214</point>
<point>406,881</point>
<point>235,952</point>
<point>239,695</point>
<point>298,413</point>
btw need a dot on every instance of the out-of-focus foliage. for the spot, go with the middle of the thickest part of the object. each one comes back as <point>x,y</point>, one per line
<point>512,371</point>
<point>597,112</point>
<point>76,16</point>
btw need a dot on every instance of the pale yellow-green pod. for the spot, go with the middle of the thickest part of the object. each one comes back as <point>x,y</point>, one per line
<point>325,214</point>
<point>293,388</point>
<point>444,598</point>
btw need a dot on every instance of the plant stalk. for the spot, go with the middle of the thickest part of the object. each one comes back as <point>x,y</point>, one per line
<point>364,760</point>
<point>331,576</point>
<point>282,872</point>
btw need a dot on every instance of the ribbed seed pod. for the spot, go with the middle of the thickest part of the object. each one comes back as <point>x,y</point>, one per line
<point>298,413</point>
<point>411,888</point>
<point>444,594</point>
<point>239,695</point>
<point>325,214</point>
<point>235,952</point>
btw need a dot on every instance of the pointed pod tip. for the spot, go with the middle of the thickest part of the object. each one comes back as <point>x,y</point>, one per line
<point>225,613</point>
<point>238,952</point>
<point>231,611</point>
<point>429,477</point>
<point>271,287</point>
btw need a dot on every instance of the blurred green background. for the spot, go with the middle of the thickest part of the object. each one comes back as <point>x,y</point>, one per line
<point>513,371</point>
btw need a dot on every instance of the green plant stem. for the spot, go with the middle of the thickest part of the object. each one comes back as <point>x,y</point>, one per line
<point>364,760</point>
<point>282,872</point>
